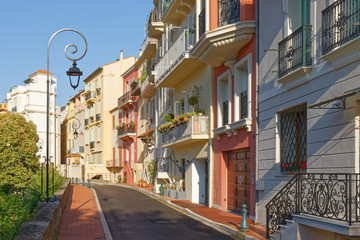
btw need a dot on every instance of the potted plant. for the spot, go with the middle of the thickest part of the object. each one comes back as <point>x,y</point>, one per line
<point>132,124</point>
<point>168,117</point>
<point>193,101</point>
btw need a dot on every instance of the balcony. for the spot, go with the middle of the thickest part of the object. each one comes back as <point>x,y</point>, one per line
<point>176,64</point>
<point>90,96</point>
<point>92,145</point>
<point>76,150</point>
<point>114,164</point>
<point>295,52</point>
<point>340,32</point>
<point>222,45</point>
<point>229,12</point>
<point>176,10</point>
<point>98,117</point>
<point>126,100</point>
<point>195,130</point>
<point>87,122</point>
<point>148,88</point>
<point>135,88</point>
<point>155,27</point>
<point>126,132</point>
<point>148,48</point>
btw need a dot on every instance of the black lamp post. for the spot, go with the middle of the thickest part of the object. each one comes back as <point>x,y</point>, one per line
<point>73,71</point>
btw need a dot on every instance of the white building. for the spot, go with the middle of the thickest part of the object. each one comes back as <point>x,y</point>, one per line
<point>308,129</point>
<point>30,101</point>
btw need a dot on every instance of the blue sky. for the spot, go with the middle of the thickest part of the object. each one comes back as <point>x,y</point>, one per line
<point>26,27</point>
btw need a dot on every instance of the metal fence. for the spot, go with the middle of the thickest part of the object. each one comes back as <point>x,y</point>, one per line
<point>325,195</point>
<point>340,24</point>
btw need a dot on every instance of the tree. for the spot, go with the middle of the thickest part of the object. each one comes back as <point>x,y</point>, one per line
<point>18,148</point>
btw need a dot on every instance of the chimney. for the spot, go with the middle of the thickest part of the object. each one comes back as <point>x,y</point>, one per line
<point>121,55</point>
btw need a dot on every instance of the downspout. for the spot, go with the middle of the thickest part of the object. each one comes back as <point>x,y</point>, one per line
<point>211,143</point>
<point>257,16</point>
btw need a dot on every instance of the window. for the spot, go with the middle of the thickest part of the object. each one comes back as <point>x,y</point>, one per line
<point>242,93</point>
<point>99,158</point>
<point>293,143</point>
<point>99,133</point>
<point>224,104</point>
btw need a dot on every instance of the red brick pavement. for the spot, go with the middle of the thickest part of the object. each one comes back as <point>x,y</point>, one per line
<point>227,218</point>
<point>81,219</point>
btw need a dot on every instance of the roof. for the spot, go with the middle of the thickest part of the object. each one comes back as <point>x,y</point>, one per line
<point>40,71</point>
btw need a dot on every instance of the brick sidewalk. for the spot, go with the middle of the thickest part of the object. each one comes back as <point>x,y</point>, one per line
<point>227,218</point>
<point>81,219</point>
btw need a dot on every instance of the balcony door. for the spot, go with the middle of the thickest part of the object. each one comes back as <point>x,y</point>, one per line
<point>295,18</point>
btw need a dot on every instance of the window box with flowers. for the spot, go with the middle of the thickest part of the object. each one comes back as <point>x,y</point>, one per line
<point>120,125</point>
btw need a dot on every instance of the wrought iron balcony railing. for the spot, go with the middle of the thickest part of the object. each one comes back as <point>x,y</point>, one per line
<point>98,117</point>
<point>92,145</point>
<point>197,125</point>
<point>90,95</point>
<point>295,51</point>
<point>202,23</point>
<point>173,55</point>
<point>340,24</point>
<point>225,111</point>
<point>112,163</point>
<point>125,99</point>
<point>87,121</point>
<point>229,12</point>
<point>325,195</point>
<point>244,104</point>
<point>124,130</point>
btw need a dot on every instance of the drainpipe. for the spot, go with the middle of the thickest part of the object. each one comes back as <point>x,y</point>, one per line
<point>211,143</point>
<point>257,16</point>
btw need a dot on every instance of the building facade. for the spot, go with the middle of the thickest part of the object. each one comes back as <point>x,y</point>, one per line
<point>29,100</point>
<point>308,138</point>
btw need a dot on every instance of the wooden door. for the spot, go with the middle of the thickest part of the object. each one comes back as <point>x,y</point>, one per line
<point>238,179</point>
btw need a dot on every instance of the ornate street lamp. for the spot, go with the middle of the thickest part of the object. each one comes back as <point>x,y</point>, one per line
<point>76,124</point>
<point>73,71</point>
<point>40,143</point>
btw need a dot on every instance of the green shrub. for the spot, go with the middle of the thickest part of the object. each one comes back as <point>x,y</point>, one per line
<point>14,210</point>
<point>35,185</point>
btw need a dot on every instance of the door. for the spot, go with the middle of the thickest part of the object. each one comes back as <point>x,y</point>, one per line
<point>238,179</point>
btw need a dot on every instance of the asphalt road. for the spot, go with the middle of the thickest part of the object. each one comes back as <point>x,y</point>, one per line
<point>132,215</point>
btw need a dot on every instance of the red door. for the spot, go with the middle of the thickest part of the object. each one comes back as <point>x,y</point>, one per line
<point>238,179</point>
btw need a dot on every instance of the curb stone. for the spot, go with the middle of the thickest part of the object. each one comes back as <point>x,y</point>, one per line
<point>217,226</point>
<point>102,218</point>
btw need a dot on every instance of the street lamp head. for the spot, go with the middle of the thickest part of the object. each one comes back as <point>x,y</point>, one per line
<point>76,134</point>
<point>74,72</point>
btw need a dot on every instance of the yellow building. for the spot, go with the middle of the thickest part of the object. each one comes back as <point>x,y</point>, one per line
<point>3,108</point>
<point>75,164</point>
<point>98,119</point>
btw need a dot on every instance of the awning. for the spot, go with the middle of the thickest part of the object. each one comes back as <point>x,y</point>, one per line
<point>338,101</point>
<point>163,175</point>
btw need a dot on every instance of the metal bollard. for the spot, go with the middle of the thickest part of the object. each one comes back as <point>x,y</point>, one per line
<point>244,227</point>
<point>72,180</point>
<point>83,182</point>
<point>76,181</point>
<point>88,183</point>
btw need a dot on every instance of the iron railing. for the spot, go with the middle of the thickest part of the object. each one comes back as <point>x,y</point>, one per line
<point>125,98</point>
<point>243,104</point>
<point>340,24</point>
<point>125,129</point>
<point>92,145</point>
<point>197,125</point>
<point>225,114</point>
<point>98,117</point>
<point>113,163</point>
<point>90,95</point>
<point>165,5</point>
<point>229,12</point>
<point>325,195</point>
<point>87,122</point>
<point>202,23</point>
<point>174,55</point>
<point>99,176</point>
<point>295,51</point>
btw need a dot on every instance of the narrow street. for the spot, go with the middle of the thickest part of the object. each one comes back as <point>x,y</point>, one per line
<point>134,215</point>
